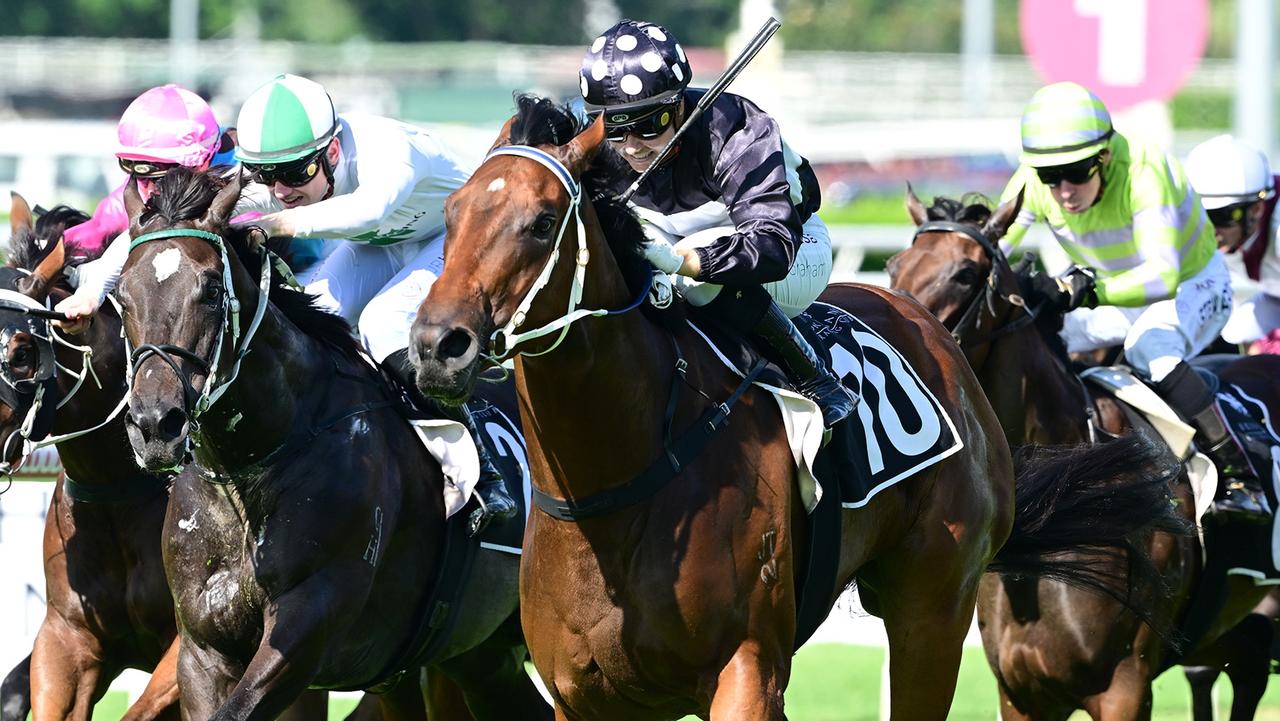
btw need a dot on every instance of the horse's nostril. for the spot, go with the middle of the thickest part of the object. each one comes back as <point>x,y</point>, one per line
<point>172,423</point>
<point>453,344</point>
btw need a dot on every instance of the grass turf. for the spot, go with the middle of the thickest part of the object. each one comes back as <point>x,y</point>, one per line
<point>842,683</point>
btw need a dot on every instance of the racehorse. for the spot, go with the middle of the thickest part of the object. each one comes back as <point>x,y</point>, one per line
<point>681,600</point>
<point>108,606</point>
<point>305,550</point>
<point>1055,648</point>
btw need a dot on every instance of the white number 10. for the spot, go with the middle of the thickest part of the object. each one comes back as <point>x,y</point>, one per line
<point>1122,39</point>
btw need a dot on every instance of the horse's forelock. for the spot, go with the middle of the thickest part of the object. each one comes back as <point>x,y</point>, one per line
<point>182,194</point>
<point>973,209</point>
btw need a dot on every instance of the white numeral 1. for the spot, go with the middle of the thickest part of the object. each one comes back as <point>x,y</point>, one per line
<point>1122,39</point>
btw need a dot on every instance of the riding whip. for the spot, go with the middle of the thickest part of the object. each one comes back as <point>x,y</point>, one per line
<point>761,37</point>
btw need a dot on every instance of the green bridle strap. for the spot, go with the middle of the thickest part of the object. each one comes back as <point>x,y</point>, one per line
<point>176,233</point>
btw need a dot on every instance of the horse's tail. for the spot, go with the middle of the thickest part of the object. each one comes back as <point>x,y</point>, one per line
<point>1084,514</point>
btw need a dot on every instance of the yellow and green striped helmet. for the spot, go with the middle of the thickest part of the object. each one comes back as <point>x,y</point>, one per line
<point>286,119</point>
<point>1062,124</point>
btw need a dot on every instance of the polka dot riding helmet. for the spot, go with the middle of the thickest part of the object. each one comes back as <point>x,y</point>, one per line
<point>633,66</point>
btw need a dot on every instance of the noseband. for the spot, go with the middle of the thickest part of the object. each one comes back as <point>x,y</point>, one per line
<point>985,296</point>
<point>195,403</point>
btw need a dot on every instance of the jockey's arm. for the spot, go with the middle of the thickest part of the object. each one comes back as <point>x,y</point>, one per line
<point>109,220</point>
<point>751,171</point>
<point>1158,234</point>
<point>1027,216</point>
<point>389,171</point>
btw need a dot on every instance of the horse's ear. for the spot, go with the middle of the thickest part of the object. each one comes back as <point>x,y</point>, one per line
<point>133,205</point>
<point>41,279</point>
<point>504,135</point>
<point>998,224</point>
<point>580,151</point>
<point>914,207</point>
<point>224,203</point>
<point>19,214</point>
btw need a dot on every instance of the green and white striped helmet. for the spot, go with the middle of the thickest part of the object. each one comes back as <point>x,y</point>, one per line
<point>286,119</point>
<point>1062,124</point>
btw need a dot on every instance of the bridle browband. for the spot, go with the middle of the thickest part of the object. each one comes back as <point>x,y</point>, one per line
<point>986,296</point>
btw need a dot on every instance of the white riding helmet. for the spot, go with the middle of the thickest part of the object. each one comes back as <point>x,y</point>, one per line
<point>1226,171</point>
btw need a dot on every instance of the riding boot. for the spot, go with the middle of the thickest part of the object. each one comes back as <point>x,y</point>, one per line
<point>1240,495</point>
<point>491,490</point>
<point>804,368</point>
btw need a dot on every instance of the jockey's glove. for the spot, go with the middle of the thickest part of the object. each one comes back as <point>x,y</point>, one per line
<point>1080,286</point>
<point>663,256</point>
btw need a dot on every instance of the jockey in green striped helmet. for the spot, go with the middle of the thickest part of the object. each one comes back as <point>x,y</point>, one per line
<point>1064,123</point>
<point>287,119</point>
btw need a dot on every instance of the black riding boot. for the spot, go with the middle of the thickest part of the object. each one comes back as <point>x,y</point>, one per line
<point>1240,494</point>
<point>491,491</point>
<point>804,368</point>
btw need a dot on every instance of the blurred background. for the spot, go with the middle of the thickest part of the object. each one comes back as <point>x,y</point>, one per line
<point>874,93</point>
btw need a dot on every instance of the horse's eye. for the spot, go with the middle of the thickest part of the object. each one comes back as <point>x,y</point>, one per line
<point>23,356</point>
<point>966,276</point>
<point>543,225</point>
<point>212,293</point>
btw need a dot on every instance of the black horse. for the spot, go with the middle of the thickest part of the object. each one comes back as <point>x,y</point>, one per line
<point>307,553</point>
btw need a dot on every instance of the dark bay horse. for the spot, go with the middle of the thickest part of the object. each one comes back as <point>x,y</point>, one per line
<point>683,602</point>
<point>1055,648</point>
<point>108,604</point>
<point>305,549</point>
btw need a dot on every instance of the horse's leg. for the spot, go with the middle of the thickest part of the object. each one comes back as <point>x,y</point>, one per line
<point>404,701</point>
<point>15,692</point>
<point>1250,666</point>
<point>750,686</point>
<point>161,692</point>
<point>205,678</point>
<point>445,699</point>
<point>1201,680</point>
<point>1128,698</point>
<point>492,678</point>
<point>65,667</point>
<point>366,710</point>
<point>309,705</point>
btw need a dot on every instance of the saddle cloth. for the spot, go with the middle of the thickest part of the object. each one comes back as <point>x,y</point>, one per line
<point>1255,551</point>
<point>898,429</point>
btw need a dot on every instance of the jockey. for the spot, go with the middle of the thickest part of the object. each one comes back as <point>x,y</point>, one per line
<point>380,186</point>
<point>1147,270</point>
<point>163,127</point>
<point>1235,182</point>
<point>732,205</point>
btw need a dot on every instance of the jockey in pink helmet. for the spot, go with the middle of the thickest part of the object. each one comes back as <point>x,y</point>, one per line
<point>163,127</point>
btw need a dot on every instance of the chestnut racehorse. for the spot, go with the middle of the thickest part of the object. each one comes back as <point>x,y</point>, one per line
<point>1055,648</point>
<point>682,601</point>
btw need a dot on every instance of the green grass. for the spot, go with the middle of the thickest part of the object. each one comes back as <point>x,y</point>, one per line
<point>867,210</point>
<point>842,683</point>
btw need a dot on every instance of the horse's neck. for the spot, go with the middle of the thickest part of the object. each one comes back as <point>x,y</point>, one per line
<point>1036,398</point>
<point>279,383</point>
<point>102,456</point>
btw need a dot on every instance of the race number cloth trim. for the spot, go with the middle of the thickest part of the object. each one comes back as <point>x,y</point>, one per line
<point>898,429</point>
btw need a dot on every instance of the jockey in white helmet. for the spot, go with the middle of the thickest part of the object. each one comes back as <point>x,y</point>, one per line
<point>1238,188</point>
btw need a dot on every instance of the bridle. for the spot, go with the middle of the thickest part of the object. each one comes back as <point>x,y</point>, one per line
<point>989,293</point>
<point>195,404</point>
<point>503,342</point>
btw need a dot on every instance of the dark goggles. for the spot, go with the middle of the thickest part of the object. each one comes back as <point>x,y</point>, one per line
<point>647,128</point>
<point>1077,173</point>
<point>1229,215</point>
<point>147,169</point>
<point>294,174</point>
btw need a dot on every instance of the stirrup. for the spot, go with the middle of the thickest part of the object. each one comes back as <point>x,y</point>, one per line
<point>834,400</point>
<point>495,505</point>
<point>1242,502</point>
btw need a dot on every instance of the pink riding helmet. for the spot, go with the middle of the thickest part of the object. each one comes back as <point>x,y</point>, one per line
<point>168,124</point>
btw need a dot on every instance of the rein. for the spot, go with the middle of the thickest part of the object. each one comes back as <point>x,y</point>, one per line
<point>197,404</point>
<point>991,291</point>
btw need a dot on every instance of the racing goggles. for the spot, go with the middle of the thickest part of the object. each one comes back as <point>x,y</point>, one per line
<point>617,126</point>
<point>294,174</point>
<point>1228,216</point>
<point>1077,173</point>
<point>145,169</point>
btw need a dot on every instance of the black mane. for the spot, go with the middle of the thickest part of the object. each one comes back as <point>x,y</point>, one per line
<point>28,248</point>
<point>185,195</point>
<point>540,121</point>
<point>975,209</point>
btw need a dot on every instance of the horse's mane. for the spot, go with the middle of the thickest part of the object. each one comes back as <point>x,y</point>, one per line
<point>185,195</point>
<point>540,121</point>
<point>28,247</point>
<point>975,209</point>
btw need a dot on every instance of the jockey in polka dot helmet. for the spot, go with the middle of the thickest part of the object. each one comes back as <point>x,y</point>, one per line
<point>636,73</point>
<point>162,128</point>
<point>732,208</point>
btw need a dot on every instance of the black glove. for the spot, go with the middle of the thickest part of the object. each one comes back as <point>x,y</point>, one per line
<point>1046,287</point>
<point>1080,286</point>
